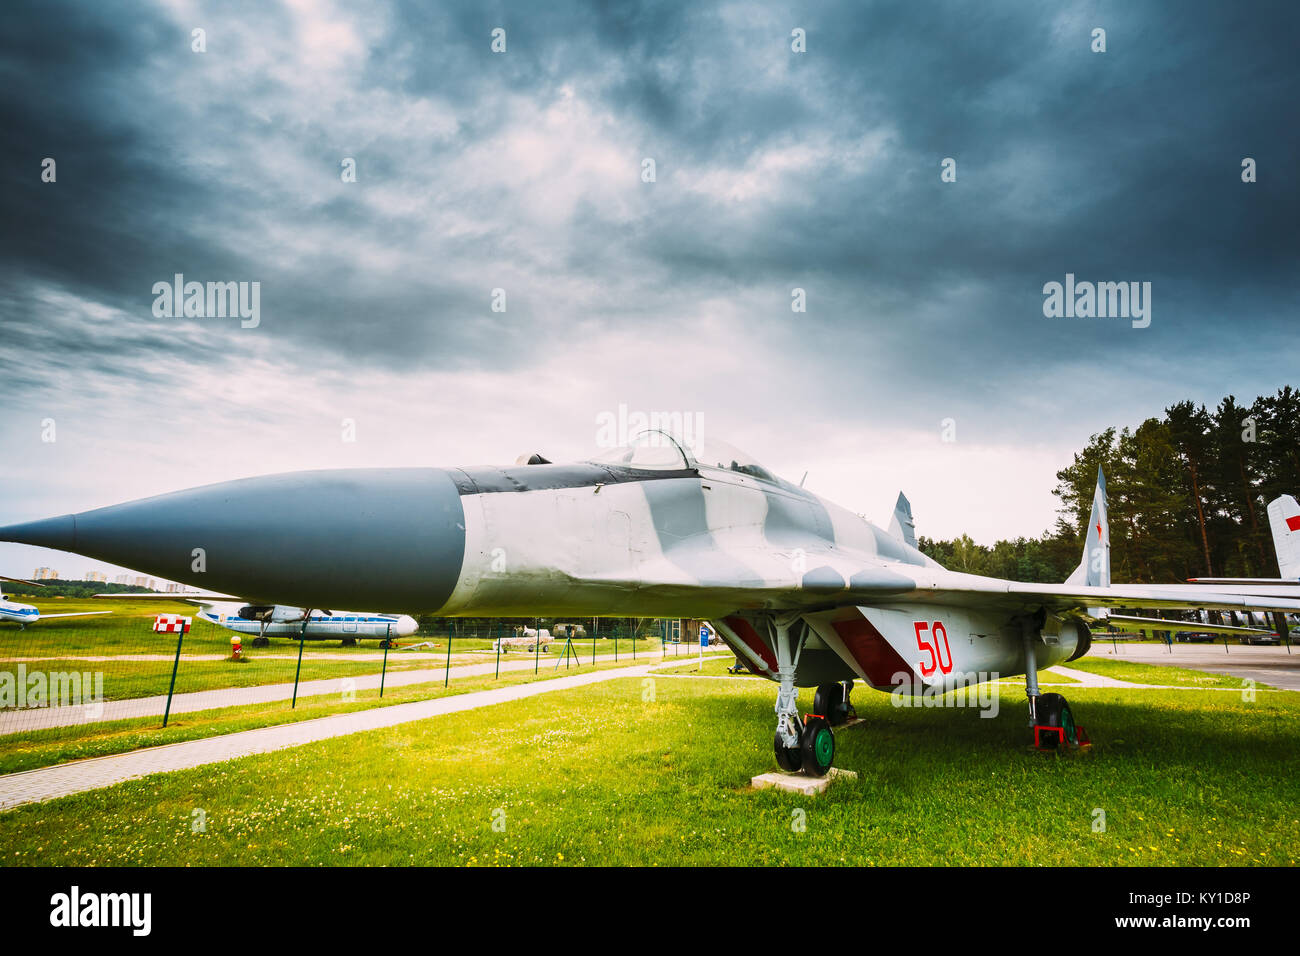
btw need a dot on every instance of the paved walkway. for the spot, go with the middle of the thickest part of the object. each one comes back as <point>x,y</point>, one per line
<point>47,783</point>
<point>1264,665</point>
<point>44,718</point>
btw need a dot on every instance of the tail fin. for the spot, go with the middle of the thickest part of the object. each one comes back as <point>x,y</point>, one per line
<point>1094,569</point>
<point>901,526</point>
<point>1284,519</point>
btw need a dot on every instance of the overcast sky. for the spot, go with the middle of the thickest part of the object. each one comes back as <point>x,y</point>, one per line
<point>523,171</point>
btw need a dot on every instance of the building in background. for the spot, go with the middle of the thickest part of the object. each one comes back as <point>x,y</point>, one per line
<point>99,576</point>
<point>45,574</point>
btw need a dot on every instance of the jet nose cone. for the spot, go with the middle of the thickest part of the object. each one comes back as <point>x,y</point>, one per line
<point>406,626</point>
<point>57,533</point>
<point>377,537</point>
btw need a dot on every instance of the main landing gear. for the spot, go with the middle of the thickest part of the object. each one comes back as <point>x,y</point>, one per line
<point>1050,716</point>
<point>807,744</point>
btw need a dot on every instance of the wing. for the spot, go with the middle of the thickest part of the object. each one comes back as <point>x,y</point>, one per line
<point>1144,625</point>
<point>196,597</point>
<point>46,617</point>
<point>974,591</point>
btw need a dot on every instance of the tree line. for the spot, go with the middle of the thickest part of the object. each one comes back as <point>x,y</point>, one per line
<point>1187,494</point>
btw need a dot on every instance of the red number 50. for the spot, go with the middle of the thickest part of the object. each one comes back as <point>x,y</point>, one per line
<point>936,658</point>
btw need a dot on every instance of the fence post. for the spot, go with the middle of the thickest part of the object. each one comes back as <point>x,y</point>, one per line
<point>594,628</point>
<point>175,664</point>
<point>537,643</point>
<point>497,675</point>
<point>446,671</point>
<point>388,639</point>
<point>302,636</point>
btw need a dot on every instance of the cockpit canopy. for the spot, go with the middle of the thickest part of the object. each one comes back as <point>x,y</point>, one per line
<point>657,450</point>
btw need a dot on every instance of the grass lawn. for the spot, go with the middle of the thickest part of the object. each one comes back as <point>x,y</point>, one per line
<point>657,773</point>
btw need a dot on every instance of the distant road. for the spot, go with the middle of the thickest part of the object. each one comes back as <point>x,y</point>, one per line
<point>1265,665</point>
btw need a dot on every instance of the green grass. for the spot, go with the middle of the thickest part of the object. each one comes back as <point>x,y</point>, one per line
<point>1158,674</point>
<point>626,772</point>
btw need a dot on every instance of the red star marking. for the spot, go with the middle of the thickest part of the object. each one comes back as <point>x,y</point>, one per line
<point>1098,530</point>
<point>1293,524</point>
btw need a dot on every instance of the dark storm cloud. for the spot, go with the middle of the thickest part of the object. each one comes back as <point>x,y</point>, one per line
<point>774,170</point>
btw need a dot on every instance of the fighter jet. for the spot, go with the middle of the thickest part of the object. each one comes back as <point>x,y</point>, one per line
<point>808,593</point>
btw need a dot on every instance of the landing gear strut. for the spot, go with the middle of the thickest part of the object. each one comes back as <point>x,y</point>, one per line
<point>1050,716</point>
<point>799,745</point>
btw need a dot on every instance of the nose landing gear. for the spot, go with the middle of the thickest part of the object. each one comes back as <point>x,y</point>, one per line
<point>807,745</point>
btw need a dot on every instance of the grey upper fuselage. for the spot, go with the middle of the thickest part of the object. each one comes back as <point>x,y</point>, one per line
<point>582,539</point>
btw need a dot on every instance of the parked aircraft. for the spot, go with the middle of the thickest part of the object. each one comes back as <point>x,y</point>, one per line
<point>263,622</point>
<point>12,612</point>
<point>809,593</point>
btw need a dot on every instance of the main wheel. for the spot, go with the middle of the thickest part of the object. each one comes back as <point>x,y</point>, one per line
<point>817,746</point>
<point>1054,711</point>
<point>789,759</point>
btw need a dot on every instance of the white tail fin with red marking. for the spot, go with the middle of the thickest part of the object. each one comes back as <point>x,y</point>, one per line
<point>1284,519</point>
<point>1094,569</point>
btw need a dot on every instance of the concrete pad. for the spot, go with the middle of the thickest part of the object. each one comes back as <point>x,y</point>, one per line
<point>800,782</point>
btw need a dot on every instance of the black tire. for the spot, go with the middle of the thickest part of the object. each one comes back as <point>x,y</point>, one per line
<point>828,701</point>
<point>261,642</point>
<point>789,759</point>
<point>1054,711</point>
<point>817,746</point>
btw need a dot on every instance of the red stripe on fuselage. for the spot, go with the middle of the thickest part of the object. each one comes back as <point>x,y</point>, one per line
<point>878,660</point>
<point>749,637</point>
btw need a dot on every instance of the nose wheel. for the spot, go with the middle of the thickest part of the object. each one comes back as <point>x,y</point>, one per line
<point>807,744</point>
<point>815,752</point>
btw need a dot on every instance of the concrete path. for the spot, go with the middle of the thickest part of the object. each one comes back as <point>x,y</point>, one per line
<point>61,780</point>
<point>1088,679</point>
<point>44,718</point>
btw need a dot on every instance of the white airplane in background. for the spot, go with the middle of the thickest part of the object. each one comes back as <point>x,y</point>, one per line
<point>1284,522</point>
<point>12,612</point>
<point>264,621</point>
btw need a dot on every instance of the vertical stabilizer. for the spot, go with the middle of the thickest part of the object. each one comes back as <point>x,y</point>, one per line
<point>901,526</point>
<point>1284,519</point>
<point>1094,569</point>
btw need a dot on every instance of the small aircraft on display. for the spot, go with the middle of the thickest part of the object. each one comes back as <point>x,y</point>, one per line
<point>808,593</point>
<point>12,612</point>
<point>263,622</point>
<point>528,638</point>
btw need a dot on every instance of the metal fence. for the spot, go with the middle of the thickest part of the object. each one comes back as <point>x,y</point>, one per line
<point>81,686</point>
